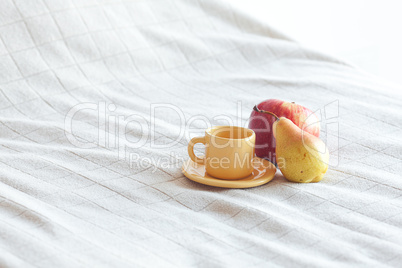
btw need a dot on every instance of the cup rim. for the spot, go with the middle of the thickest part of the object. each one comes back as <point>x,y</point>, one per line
<point>251,132</point>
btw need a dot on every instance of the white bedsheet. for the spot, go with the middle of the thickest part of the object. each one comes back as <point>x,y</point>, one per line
<point>66,206</point>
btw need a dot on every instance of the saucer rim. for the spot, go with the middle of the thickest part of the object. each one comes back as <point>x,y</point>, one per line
<point>231,183</point>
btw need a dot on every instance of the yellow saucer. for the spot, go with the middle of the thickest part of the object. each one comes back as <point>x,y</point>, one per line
<point>264,171</point>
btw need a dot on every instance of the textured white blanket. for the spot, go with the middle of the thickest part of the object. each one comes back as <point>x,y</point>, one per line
<point>98,100</point>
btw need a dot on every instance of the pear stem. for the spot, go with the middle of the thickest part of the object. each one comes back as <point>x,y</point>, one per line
<point>265,112</point>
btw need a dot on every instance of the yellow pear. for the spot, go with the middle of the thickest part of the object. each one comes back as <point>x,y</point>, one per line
<point>300,156</point>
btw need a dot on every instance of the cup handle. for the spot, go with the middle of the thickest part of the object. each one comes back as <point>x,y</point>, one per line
<point>191,144</point>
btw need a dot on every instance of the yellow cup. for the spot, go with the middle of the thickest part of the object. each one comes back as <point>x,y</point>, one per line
<point>229,151</point>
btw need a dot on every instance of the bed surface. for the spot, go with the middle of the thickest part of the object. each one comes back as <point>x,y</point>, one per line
<point>72,195</point>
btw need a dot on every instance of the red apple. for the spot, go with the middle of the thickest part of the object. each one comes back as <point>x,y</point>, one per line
<point>264,115</point>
